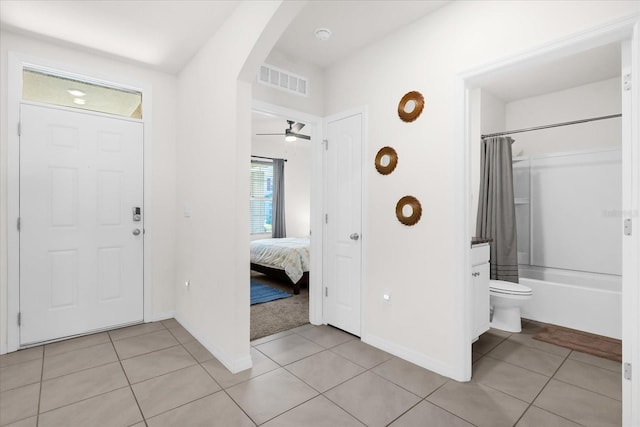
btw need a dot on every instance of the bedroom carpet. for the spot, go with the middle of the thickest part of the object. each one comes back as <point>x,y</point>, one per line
<point>279,315</point>
<point>261,293</point>
<point>597,345</point>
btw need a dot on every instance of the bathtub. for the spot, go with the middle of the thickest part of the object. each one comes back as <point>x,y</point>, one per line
<point>585,301</point>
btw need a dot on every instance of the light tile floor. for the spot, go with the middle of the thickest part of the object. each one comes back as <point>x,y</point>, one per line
<point>157,374</point>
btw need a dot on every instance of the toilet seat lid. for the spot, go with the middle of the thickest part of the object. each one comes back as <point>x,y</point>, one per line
<point>503,287</point>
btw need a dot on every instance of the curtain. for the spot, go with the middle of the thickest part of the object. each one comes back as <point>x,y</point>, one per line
<point>496,209</point>
<point>279,228</point>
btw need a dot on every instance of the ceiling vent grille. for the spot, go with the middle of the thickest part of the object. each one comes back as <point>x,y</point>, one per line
<point>283,80</point>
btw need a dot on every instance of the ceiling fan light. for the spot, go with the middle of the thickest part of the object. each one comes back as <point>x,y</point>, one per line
<point>290,138</point>
<point>76,92</point>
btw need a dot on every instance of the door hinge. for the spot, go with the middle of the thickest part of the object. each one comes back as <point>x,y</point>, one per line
<point>326,218</point>
<point>18,223</point>
<point>326,144</point>
<point>326,291</point>
<point>19,129</point>
<point>627,226</point>
<point>19,319</point>
<point>626,82</point>
<point>627,371</point>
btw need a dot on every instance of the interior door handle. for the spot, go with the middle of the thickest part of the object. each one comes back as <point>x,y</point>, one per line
<point>354,236</point>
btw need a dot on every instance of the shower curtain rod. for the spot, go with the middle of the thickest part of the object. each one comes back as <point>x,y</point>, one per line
<point>266,158</point>
<point>575,122</point>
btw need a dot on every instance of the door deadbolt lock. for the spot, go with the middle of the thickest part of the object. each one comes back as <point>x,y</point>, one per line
<point>136,232</point>
<point>137,213</point>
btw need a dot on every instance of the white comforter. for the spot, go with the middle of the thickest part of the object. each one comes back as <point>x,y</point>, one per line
<point>290,254</point>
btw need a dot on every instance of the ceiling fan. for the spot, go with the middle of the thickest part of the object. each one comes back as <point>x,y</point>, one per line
<point>291,133</point>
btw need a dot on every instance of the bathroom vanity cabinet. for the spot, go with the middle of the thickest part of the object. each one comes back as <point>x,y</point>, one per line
<point>480,254</point>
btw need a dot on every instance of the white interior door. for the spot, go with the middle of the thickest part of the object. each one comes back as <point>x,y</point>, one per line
<point>343,223</point>
<point>81,252</point>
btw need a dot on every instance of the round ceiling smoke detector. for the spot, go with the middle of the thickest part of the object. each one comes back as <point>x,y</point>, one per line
<point>322,34</point>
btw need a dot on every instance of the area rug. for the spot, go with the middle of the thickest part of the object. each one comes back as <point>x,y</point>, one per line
<point>597,345</point>
<point>264,293</point>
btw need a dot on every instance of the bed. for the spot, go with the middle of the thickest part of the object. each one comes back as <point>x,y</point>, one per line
<point>285,258</point>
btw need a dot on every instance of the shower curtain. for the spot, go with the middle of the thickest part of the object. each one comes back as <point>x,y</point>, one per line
<point>496,209</point>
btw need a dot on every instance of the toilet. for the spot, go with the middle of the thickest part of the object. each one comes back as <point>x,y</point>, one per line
<point>506,298</point>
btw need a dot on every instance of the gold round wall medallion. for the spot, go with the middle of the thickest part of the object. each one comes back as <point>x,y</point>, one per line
<point>386,160</point>
<point>408,210</point>
<point>411,106</point>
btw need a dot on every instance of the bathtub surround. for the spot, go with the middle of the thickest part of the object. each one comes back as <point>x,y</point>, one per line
<point>569,247</point>
<point>562,205</point>
<point>496,217</point>
<point>556,292</point>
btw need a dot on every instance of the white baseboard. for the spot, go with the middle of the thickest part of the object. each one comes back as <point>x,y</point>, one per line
<point>410,355</point>
<point>234,365</point>
<point>156,317</point>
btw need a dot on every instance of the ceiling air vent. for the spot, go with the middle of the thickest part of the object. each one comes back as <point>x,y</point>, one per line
<point>283,80</point>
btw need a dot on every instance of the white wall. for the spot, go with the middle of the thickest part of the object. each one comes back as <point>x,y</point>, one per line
<point>418,263</point>
<point>214,126</point>
<point>313,103</point>
<point>163,191</point>
<point>493,113</point>
<point>592,100</point>
<point>297,182</point>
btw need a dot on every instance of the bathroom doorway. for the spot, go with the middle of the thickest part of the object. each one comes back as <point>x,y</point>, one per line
<point>622,35</point>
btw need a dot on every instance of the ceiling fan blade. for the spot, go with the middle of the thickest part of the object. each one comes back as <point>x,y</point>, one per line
<point>297,127</point>
<point>301,136</point>
<point>280,134</point>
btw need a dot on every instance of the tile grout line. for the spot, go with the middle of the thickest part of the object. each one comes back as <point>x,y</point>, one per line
<point>522,367</point>
<point>40,392</point>
<point>286,370</point>
<point>83,370</point>
<point>222,389</point>
<point>144,420</point>
<point>359,375</point>
<point>309,385</point>
<point>149,352</point>
<point>542,389</point>
<point>586,389</point>
<point>444,409</point>
<point>198,363</point>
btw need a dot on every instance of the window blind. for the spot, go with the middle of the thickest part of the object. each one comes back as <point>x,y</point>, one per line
<point>261,197</point>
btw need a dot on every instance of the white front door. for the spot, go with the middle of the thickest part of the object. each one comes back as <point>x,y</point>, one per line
<point>81,252</point>
<point>343,223</point>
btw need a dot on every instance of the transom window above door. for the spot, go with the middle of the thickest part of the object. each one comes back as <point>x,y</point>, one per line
<point>49,88</point>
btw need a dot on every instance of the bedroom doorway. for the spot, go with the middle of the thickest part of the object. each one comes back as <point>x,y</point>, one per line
<point>293,306</point>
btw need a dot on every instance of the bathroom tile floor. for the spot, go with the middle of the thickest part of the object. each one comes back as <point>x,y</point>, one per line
<point>157,374</point>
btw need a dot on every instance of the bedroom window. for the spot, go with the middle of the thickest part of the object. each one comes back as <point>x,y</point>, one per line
<point>261,197</point>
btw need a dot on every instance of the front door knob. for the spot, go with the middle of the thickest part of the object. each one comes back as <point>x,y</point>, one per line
<point>354,236</point>
<point>136,232</point>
